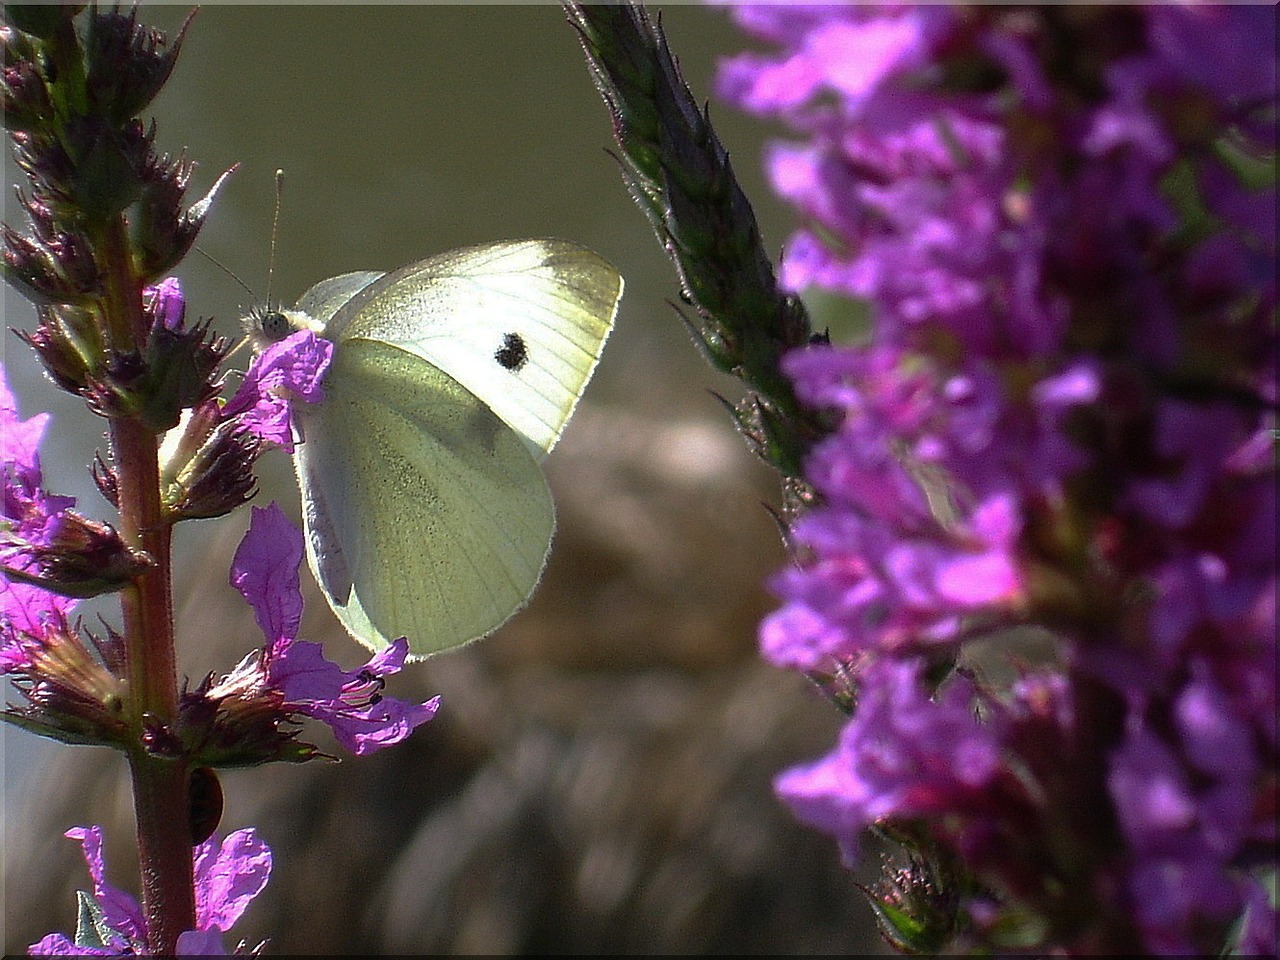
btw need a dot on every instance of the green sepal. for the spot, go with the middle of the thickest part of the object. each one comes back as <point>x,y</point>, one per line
<point>106,179</point>
<point>75,737</point>
<point>77,590</point>
<point>904,932</point>
<point>92,931</point>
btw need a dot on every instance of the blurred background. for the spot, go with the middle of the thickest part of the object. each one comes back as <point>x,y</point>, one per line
<point>598,777</point>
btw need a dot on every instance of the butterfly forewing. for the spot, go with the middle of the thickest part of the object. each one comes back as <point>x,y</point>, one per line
<point>426,516</point>
<point>519,324</point>
<point>322,301</point>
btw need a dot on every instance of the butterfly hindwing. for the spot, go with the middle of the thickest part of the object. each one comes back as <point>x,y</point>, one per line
<point>426,516</point>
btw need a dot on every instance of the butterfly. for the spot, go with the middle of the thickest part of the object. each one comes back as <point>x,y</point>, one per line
<point>426,511</point>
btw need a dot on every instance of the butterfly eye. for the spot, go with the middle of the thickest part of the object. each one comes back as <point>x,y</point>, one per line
<point>513,353</point>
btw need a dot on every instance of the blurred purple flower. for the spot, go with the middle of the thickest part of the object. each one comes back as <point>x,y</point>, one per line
<point>30,517</point>
<point>227,877</point>
<point>1063,416</point>
<point>903,754</point>
<point>265,571</point>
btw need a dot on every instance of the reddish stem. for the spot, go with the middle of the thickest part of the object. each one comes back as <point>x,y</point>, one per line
<point>160,784</point>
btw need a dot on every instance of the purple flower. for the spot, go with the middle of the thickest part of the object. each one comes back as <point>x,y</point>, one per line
<point>294,366</point>
<point>165,304</point>
<point>848,51</point>
<point>227,877</point>
<point>265,571</point>
<point>903,754</point>
<point>882,571</point>
<point>350,702</point>
<point>1184,838</point>
<point>30,517</point>
<point>1061,418</point>
<point>19,440</point>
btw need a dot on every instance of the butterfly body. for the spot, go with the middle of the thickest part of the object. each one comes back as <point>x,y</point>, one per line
<point>427,513</point>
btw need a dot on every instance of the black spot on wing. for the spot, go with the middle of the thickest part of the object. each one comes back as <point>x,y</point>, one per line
<point>513,353</point>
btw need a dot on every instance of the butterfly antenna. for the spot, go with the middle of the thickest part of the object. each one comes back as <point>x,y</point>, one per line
<point>227,270</point>
<point>275,230</point>
<point>243,341</point>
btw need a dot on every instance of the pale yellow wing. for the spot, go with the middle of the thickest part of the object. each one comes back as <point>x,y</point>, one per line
<point>425,515</point>
<point>520,324</point>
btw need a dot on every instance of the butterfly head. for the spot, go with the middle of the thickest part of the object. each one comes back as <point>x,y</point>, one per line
<point>267,325</point>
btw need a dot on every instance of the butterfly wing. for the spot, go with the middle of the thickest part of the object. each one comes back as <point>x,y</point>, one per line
<point>322,301</point>
<point>425,515</point>
<point>520,324</point>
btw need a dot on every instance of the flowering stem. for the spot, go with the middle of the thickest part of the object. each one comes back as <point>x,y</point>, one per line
<point>679,174</point>
<point>161,802</point>
<point>159,783</point>
<point>123,294</point>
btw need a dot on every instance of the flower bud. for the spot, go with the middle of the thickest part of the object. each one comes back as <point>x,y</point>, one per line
<point>109,163</point>
<point>162,232</point>
<point>127,63</point>
<point>206,465</point>
<point>77,557</point>
<point>26,97</point>
<point>68,343</point>
<point>241,720</point>
<point>175,372</point>
<point>180,366</point>
<point>55,271</point>
<point>72,692</point>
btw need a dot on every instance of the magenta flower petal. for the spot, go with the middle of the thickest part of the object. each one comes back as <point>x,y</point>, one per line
<point>120,911</point>
<point>301,672</point>
<point>165,303</point>
<point>59,945</point>
<point>903,754</point>
<point>351,703</point>
<point>228,877</point>
<point>265,571</point>
<point>19,439</point>
<point>201,943</point>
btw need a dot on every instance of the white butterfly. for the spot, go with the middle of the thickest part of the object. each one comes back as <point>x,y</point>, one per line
<point>427,514</point>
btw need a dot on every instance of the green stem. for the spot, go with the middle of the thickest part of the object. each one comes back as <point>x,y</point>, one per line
<point>161,803</point>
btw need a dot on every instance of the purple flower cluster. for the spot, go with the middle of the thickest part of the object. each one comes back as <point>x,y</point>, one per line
<point>1063,418</point>
<point>71,678</point>
<point>227,877</point>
